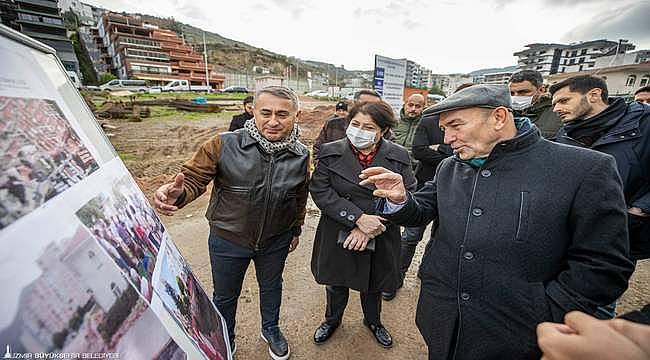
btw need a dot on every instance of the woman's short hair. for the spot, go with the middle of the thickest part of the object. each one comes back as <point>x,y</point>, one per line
<point>380,112</point>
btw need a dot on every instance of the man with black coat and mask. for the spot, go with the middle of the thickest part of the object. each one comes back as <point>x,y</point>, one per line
<point>609,125</point>
<point>529,100</point>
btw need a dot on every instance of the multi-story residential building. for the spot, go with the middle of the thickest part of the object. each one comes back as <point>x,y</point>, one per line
<point>416,75</point>
<point>500,77</point>
<point>583,55</point>
<point>557,58</point>
<point>83,11</point>
<point>140,50</point>
<point>544,58</point>
<point>41,20</point>
<point>92,43</point>
<point>635,57</point>
<point>449,82</point>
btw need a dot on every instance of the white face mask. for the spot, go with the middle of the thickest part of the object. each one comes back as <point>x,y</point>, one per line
<point>521,102</point>
<point>360,138</point>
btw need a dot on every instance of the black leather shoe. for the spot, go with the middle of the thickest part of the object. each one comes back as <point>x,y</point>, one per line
<point>381,334</point>
<point>388,296</point>
<point>324,331</point>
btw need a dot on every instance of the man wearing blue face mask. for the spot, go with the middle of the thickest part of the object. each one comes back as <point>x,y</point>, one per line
<point>529,100</point>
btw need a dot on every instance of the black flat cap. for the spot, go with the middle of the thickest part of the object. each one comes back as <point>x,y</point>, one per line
<point>482,95</point>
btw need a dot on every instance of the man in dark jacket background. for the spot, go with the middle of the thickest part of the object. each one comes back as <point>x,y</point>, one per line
<point>238,121</point>
<point>594,121</point>
<point>429,150</point>
<point>642,95</point>
<point>410,117</point>
<point>529,100</point>
<point>510,251</point>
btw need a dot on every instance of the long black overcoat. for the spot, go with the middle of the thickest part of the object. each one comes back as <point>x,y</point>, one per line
<point>336,191</point>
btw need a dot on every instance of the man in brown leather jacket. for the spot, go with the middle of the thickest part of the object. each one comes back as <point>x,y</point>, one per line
<point>257,205</point>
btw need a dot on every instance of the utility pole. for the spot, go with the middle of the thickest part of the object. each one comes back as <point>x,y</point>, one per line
<point>205,60</point>
<point>336,76</point>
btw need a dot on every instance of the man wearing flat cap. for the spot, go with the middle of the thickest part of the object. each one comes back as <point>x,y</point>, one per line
<point>528,231</point>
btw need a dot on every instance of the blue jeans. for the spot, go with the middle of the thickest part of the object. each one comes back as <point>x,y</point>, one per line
<point>229,263</point>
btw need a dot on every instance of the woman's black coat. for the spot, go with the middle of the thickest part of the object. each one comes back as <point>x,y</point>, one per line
<point>336,191</point>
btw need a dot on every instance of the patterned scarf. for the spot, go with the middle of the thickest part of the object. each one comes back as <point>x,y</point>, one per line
<point>365,159</point>
<point>272,147</point>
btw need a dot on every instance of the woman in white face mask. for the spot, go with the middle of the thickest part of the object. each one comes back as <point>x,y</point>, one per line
<point>354,248</point>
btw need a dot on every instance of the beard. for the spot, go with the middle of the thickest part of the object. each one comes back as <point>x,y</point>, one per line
<point>581,110</point>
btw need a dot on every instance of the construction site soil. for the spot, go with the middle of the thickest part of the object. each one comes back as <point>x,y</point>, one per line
<point>153,151</point>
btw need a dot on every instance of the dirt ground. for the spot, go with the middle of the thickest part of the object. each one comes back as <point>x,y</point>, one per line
<point>154,149</point>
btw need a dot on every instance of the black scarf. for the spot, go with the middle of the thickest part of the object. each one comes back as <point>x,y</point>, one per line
<point>588,131</point>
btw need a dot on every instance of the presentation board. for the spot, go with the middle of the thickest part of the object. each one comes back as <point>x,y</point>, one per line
<point>87,268</point>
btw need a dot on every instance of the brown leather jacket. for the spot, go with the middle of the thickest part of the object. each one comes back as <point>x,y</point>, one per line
<point>255,196</point>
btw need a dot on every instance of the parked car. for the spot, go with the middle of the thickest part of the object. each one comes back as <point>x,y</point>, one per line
<point>318,93</point>
<point>132,85</point>
<point>435,97</point>
<point>235,89</point>
<point>91,88</point>
<point>184,85</point>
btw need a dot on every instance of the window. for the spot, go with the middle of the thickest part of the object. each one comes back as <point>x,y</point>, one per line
<point>580,69</point>
<point>583,52</point>
<point>574,53</point>
<point>147,54</point>
<point>582,59</point>
<point>630,80</point>
<point>572,61</point>
<point>564,63</point>
<point>563,68</point>
<point>48,20</point>
<point>29,17</point>
<point>644,81</point>
<point>591,65</point>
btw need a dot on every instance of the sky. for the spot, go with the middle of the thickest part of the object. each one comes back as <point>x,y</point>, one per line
<point>448,36</point>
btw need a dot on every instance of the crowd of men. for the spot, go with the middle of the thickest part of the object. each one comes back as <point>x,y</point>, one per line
<point>539,203</point>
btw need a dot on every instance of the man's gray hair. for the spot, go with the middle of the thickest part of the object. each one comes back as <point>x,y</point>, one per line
<point>281,92</point>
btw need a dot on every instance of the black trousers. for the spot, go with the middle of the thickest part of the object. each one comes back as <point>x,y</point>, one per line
<point>337,300</point>
<point>411,236</point>
<point>229,263</point>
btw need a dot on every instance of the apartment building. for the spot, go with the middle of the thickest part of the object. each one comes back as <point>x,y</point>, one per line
<point>554,58</point>
<point>140,50</point>
<point>41,20</point>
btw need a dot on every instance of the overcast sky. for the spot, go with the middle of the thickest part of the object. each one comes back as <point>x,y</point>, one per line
<point>445,36</point>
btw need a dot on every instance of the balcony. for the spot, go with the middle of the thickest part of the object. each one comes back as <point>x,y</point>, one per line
<point>174,55</point>
<point>52,5</point>
<point>168,46</point>
<point>115,34</point>
<point>197,66</point>
<point>167,38</point>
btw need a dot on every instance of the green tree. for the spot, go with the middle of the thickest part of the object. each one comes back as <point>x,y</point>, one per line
<point>85,63</point>
<point>106,77</point>
<point>434,89</point>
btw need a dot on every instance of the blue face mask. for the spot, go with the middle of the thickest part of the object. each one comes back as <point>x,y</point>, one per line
<point>360,139</point>
<point>521,102</point>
